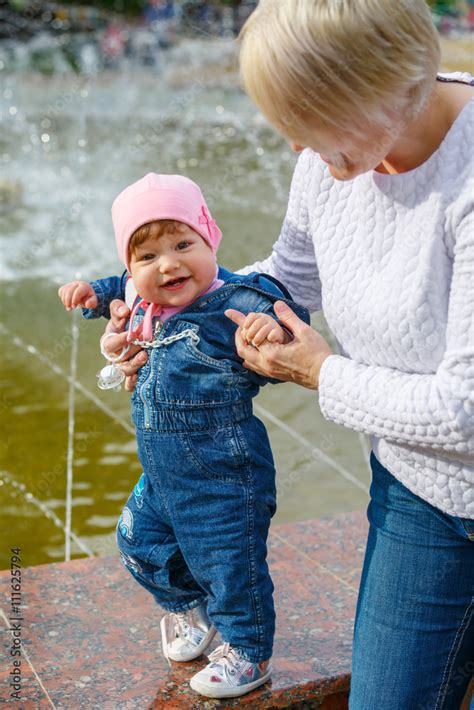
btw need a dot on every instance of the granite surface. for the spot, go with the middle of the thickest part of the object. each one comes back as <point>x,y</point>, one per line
<point>90,635</point>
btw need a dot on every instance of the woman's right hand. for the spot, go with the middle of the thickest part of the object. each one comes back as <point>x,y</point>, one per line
<point>136,356</point>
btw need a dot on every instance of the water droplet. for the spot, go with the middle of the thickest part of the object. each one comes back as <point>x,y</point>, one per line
<point>81,143</point>
<point>260,151</point>
<point>220,109</point>
<point>45,137</point>
<point>13,110</point>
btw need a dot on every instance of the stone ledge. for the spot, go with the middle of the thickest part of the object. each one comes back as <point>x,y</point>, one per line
<point>92,637</point>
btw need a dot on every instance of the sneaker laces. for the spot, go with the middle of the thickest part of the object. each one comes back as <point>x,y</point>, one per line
<point>181,624</point>
<point>173,625</point>
<point>227,657</point>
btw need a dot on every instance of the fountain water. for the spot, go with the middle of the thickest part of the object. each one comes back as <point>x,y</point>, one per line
<point>72,139</point>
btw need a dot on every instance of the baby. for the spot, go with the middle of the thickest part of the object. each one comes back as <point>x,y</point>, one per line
<point>194,529</point>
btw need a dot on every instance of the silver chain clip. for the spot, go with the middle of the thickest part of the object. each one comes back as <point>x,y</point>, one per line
<point>188,333</point>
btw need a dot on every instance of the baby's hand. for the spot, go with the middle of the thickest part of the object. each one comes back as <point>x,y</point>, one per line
<point>258,327</point>
<point>77,293</point>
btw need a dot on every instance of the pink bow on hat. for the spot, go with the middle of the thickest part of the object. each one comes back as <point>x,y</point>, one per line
<point>213,229</point>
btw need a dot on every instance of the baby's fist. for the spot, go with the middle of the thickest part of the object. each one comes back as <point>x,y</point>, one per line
<point>260,327</point>
<point>77,293</point>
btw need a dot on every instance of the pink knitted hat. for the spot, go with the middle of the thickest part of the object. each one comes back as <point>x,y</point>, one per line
<point>156,197</point>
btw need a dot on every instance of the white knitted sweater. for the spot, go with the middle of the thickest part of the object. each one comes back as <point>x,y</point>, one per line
<point>390,260</point>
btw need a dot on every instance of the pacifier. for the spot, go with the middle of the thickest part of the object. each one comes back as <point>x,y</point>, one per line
<point>111,376</point>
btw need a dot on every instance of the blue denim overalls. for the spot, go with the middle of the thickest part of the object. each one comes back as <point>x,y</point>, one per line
<point>196,524</point>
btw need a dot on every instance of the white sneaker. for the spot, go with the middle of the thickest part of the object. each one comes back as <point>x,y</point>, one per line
<point>229,675</point>
<point>186,635</point>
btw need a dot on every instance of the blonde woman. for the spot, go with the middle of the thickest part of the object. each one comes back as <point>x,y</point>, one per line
<point>379,234</point>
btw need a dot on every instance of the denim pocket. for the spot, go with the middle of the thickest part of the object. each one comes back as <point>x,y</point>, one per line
<point>196,352</point>
<point>185,371</point>
<point>220,454</point>
<point>468,526</point>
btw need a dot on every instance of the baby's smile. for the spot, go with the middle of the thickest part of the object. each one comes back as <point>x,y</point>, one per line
<point>175,284</point>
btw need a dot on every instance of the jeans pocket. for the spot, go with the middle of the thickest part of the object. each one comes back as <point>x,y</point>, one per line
<point>196,352</point>
<point>468,526</point>
<point>219,454</point>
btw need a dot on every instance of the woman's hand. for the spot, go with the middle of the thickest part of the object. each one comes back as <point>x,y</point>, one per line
<point>299,361</point>
<point>136,357</point>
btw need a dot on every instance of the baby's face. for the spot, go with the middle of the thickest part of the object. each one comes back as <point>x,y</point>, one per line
<point>173,269</point>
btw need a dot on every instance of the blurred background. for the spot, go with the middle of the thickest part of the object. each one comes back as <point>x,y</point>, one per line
<point>93,96</point>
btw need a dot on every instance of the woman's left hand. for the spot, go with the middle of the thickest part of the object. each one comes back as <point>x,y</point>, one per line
<point>299,361</point>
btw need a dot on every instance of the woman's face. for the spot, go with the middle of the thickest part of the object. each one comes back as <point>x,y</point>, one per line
<point>347,154</point>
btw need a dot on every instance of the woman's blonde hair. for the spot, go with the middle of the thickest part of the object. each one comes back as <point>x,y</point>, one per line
<point>340,63</point>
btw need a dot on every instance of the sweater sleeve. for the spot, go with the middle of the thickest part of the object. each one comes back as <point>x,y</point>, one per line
<point>432,411</point>
<point>293,261</point>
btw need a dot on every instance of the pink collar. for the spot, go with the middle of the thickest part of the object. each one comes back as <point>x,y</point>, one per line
<point>144,330</point>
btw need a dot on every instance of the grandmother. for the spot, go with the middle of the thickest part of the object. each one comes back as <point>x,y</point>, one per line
<point>379,234</point>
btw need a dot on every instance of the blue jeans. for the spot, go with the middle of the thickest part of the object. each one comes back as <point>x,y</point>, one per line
<point>195,527</point>
<point>414,628</point>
